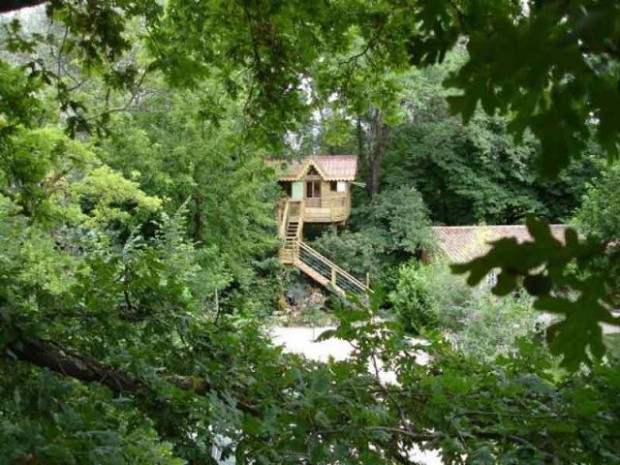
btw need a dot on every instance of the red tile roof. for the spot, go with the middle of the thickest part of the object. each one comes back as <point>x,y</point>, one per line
<point>330,167</point>
<point>464,243</point>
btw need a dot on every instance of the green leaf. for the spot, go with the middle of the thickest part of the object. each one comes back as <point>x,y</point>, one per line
<point>325,335</point>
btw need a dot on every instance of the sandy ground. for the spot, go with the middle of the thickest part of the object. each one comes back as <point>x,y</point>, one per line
<point>302,341</point>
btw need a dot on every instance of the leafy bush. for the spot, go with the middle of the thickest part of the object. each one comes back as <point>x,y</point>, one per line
<point>492,325</point>
<point>398,219</point>
<point>392,229</point>
<point>357,252</point>
<point>428,296</point>
<point>599,214</point>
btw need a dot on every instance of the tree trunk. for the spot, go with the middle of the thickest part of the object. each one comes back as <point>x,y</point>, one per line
<point>361,136</point>
<point>377,141</point>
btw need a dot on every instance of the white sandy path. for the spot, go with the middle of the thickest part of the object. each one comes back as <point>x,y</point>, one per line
<point>298,340</point>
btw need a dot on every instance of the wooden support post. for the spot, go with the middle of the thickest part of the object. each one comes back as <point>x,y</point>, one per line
<point>333,276</point>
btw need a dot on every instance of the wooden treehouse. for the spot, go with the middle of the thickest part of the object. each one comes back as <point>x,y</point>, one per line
<point>318,190</point>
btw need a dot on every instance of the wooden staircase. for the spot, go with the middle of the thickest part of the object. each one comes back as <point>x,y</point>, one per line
<point>294,251</point>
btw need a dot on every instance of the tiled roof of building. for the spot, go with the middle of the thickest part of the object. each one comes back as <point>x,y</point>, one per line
<point>464,243</point>
<point>330,167</point>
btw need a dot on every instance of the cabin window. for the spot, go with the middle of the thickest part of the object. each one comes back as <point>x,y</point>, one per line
<point>333,186</point>
<point>313,189</point>
<point>342,186</point>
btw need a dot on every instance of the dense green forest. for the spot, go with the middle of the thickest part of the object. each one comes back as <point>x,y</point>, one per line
<point>138,247</point>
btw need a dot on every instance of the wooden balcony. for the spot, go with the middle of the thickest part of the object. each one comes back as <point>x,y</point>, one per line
<point>321,210</point>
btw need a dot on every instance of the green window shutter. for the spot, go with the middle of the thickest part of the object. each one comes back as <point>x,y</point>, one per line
<point>297,191</point>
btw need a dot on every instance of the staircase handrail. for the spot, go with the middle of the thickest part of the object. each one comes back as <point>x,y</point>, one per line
<point>300,219</point>
<point>284,220</point>
<point>326,261</point>
<point>300,230</point>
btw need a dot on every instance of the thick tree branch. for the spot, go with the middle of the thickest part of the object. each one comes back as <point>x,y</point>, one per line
<point>47,354</point>
<point>13,5</point>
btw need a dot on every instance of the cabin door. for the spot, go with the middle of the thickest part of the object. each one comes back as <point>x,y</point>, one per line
<point>297,191</point>
<point>313,194</point>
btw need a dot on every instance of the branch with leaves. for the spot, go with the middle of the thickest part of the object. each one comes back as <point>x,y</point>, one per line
<point>563,280</point>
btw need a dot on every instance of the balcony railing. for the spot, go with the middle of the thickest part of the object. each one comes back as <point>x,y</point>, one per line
<point>319,202</point>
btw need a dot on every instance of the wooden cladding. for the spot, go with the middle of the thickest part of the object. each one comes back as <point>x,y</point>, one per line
<point>325,201</point>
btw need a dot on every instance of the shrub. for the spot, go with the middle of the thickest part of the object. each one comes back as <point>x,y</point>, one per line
<point>492,325</point>
<point>397,219</point>
<point>429,297</point>
<point>356,252</point>
<point>384,234</point>
<point>599,214</point>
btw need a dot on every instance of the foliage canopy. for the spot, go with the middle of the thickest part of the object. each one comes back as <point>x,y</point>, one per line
<point>115,348</point>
